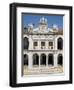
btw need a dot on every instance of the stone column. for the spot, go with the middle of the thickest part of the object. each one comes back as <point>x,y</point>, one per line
<point>39,60</point>
<point>39,45</point>
<point>55,42</point>
<point>30,60</point>
<point>54,46</point>
<point>30,43</point>
<point>46,60</point>
<point>46,43</point>
<point>55,59</point>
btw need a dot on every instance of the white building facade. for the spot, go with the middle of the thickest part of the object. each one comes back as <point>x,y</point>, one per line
<point>42,49</point>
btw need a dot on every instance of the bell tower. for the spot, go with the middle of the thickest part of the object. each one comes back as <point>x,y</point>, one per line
<point>43,24</point>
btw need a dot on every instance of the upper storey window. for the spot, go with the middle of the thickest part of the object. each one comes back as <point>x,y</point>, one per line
<point>26,43</point>
<point>60,43</point>
<point>50,45</point>
<point>26,60</point>
<point>42,45</point>
<point>35,44</point>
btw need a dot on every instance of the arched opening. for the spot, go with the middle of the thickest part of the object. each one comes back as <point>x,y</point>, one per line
<point>35,59</point>
<point>43,59</point>
<point>26,43</point>
<point>60,59</point>
<point>60,43</point>
<point>50,59</point>
<point>25,59</point>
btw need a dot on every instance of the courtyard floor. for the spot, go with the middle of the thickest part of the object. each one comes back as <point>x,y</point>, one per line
<point>42,70</point>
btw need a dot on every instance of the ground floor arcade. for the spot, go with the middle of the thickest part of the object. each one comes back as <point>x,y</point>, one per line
<point>42,62</point>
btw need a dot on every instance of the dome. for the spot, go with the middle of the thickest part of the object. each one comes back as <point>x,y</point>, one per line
<point>43,20</point>
<point>30,25</point>
<point>55,27</point>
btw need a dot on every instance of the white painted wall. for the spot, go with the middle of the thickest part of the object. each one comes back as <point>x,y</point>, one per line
<point>46,39</point>
<point>4,43</point>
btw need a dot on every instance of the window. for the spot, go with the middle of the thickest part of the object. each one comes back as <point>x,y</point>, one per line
<point>26,43</point>
<point>35,59</point>
<point>35,43</point>
<point>50,45</point>
<point>43,59</point>
<point>60,44</point>
<point>50,59</point>
<point>60,59</point>
<point>42,45</point>
<point>25,59</point>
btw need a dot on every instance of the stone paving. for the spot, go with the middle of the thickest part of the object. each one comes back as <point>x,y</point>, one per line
<point>43,70</point>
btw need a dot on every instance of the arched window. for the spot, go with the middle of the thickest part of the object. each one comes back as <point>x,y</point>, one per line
<point>60,59</point>
<point>60,43</point>
<point>35,59</point>
<point>26,43</point>
<point>43,59</point>
<point>25,59</point>
<point>50,59</point>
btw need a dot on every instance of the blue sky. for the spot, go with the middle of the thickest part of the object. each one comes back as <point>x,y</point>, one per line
<point>34,19</point>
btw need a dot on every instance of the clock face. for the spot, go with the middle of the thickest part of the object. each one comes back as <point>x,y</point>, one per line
<point>43,28</point>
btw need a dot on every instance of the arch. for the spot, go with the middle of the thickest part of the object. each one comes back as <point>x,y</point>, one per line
<point>26,43</point>
<point>43,59</point>
<point>60,59</point>
<point>35,59</point>
<point>50,59</point>
<point>25,59</point>
<point>60,43</point>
